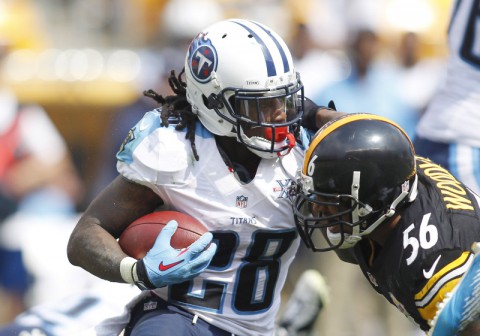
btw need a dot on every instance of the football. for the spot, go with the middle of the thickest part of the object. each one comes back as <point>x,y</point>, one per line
<point>139,236</point>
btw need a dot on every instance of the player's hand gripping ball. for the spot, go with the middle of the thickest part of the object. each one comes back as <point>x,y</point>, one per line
<point>139,237</point>
<point>169,247</point>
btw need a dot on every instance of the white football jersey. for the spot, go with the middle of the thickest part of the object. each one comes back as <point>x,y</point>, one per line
<point>453,114</point>
<point>252,223</point>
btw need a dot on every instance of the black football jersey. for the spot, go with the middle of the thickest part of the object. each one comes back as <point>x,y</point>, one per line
<point>429,249</point>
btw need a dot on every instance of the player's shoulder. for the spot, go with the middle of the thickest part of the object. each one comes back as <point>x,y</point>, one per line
<point>437,274</point>
<point>151,150</point>
<point>148,133</point>
<point>150,122</point>
<point>442,192</point>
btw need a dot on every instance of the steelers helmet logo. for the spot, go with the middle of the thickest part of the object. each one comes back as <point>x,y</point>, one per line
<point>202,59</point>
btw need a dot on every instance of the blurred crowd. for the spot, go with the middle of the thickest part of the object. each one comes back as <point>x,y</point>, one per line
<point>73,76</point>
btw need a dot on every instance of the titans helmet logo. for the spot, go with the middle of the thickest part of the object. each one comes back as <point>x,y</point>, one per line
<point>202,58</point>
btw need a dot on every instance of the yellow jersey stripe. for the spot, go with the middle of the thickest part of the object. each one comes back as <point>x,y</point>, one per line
<point>440,284</point>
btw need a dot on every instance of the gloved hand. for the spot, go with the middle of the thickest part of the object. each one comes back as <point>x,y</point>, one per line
<point>163,265</point>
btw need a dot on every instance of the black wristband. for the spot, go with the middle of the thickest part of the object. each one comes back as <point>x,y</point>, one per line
<point>141,278</point>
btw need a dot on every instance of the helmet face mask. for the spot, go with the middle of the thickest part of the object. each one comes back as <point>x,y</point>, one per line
<point>241,82</point>
<point>358,170</point>
<point>325,221</point>
<point>265,121</point>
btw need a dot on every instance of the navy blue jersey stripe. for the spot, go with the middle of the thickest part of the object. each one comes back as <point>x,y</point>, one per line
<point>286,66</point>
<point>271,71</point>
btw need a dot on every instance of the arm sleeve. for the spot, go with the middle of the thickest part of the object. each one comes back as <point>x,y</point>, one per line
<point>309,115</point>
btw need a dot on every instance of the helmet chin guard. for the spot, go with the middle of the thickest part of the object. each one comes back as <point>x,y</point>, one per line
<point>242,83</point>
<point>281,147</point>
<point>343,241</point>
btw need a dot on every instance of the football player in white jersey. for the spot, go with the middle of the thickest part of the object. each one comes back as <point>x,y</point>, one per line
<point>448,132</point>
<point>229,163</point>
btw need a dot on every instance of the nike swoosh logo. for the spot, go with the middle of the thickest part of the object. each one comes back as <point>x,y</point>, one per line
<point>428,274</point>
<point>163,267</point>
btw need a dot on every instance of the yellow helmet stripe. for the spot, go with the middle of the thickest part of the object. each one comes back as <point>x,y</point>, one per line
<point>336,123</point>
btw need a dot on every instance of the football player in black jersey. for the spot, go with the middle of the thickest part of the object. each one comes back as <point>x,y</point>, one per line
<point>407,222</point>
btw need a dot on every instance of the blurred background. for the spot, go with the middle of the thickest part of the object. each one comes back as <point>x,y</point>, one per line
<point>82,60</point>
<point>85,63</point>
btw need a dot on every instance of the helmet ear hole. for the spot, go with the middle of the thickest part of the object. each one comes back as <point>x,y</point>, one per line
<point>212,102</point>
<point>206,102</point>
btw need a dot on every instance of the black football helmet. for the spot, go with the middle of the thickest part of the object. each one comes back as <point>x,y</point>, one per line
<point>357,171</point>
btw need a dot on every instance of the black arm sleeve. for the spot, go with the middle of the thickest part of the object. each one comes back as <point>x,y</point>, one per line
<point>310,111</point>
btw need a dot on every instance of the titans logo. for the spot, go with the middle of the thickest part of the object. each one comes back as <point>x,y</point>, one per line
<point>202,58</point>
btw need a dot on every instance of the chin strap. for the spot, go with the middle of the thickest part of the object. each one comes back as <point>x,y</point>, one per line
<point>255,144</point>
<point>291,142</point>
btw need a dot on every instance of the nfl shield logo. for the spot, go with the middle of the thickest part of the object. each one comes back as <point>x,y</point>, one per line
<point>242,202</point>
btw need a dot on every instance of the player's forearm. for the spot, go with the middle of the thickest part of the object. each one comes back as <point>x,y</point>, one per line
<point>324,115</point>
<point>95,250</point>
<point>316,116</point>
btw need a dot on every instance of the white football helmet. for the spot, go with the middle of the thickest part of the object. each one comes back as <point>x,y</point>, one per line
<point>242,83</point>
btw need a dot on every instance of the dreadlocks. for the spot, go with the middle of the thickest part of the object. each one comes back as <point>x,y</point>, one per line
<point>177,107</point>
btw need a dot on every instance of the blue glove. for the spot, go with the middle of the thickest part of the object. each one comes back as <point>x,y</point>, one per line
<point>462,306</point>
<point>163,265</point>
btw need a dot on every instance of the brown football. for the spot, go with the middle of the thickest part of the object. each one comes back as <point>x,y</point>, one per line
<point>139,237</point>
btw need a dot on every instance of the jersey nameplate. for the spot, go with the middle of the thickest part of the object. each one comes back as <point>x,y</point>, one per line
<point>453,193</point>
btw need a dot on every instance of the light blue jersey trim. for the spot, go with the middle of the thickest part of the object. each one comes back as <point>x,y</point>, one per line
<point>305,138</point>
<point>476,162</point>
<point>202,132</point>
<point>452,160</point>
<point>148,124</point>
